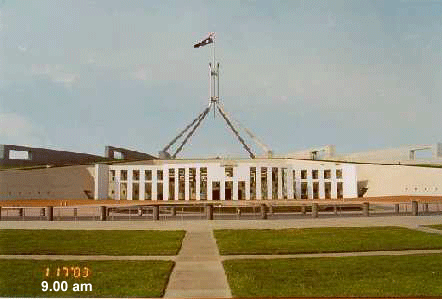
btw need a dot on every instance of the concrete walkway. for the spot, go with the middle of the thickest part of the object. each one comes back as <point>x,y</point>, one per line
<point>427,229</point>
<point>192,258</point>
<point>194,225</point>
<point>332,254</point>
<point>198,271</point>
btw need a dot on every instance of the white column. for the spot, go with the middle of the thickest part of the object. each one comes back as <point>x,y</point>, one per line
<point>298,191</point>
<point>176,183</point>
<point>269,183</point>
<point>129,184</point>
<point>235,188</point>
<point>197,187</point>
<point>290,183</point>
<point>350,181</point>
<point>118,184</point>
<point>334,185</point>
<point>309,184</point>
<point>101,181</point>
<point>209,187</point>
<point>279,183</point>
<point>258,183</point>
<point>186,183</point>
<point>247,182</point>
<point>142,183</point>
<point>321,184</point>
<point>166,184</point>
<point>154,184</point>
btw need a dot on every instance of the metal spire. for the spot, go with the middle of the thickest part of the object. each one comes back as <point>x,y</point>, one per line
<point>213,103</point>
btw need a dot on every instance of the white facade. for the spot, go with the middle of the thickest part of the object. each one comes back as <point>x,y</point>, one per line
<point>395,180</point>
<point>258,179</point>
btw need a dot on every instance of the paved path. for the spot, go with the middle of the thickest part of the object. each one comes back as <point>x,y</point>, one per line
<point>198,271</point>
<point>195,225</point>
<point>209,258</point>
<point>332,254</point>
<point>428,230</point>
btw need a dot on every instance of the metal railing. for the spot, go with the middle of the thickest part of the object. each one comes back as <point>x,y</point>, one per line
<point>216,211</point>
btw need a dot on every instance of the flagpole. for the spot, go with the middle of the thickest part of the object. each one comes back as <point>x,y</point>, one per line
<point>214,50</point>
<point>213,81</point>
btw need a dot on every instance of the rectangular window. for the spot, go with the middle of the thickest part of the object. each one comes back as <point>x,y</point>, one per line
<point>340,190</point>
<point>275,183</point>
<point>294,189</point>
<point>181,183</point>
<point>241,190</point>
<point>284,183</point>
<point>159,191</point>
<point>148,191</point>
<point>327,174</point>
<point>135,191</point>
<point>215,190</point>
<point>315,190</point>
<point>123,191</point>
<point>228,190</point>
<point>304,192</point>
<point>112,188</point>
<point>327,190</point>
<point>20,155</point>
<point>252,182</point>
<point>339,173</point>
<point>171,184</point>
<point>192,183</point>
<point>229,171</point>
<point>148,175</point>
<point>159,175</point>
<point>203,183</point>
<point>264,182</point>
<point>124,175</point>
<point>303,174</point>
<point>294,175</point>
<point>315,174</point>
<point>136,175</point>
<point>112,176</point>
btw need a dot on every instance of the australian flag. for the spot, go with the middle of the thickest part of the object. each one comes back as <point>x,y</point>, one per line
<point>205,41</point>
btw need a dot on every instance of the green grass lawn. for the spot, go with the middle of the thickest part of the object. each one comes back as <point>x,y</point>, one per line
<point>87,242</point>
<point>23,278</point>
<point>330,239</point>
<point>339,276</point>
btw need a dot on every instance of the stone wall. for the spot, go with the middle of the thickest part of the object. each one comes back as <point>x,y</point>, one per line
<point>69,182</point>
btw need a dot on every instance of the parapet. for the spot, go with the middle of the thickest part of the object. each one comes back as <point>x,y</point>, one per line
<point>317,153</point>
<point>125,154</point>
<point>17,155</point>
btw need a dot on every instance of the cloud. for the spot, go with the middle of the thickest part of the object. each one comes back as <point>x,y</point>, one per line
<point>56,73</point>
<point>142,73</point>
<point>17,129</point>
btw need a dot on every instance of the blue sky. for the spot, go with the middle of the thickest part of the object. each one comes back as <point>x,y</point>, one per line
<point>78,75</point>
